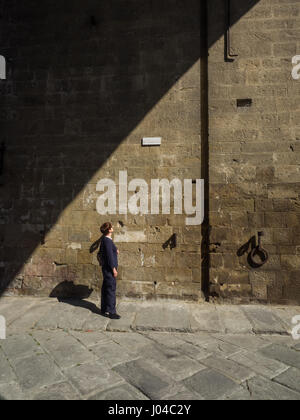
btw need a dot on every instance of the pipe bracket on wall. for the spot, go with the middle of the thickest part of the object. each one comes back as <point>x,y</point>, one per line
<point>229,57</point>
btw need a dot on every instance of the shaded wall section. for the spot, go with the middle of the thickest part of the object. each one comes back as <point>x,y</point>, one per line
<point>86,80</point>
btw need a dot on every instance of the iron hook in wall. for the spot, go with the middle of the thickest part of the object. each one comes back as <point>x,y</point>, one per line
<point>258,256</point>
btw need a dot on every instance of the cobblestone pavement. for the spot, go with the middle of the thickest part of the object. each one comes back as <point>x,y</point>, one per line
<point>157,351</point>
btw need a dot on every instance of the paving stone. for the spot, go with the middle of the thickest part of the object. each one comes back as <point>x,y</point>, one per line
<point>126,307</point>
<point>206,318</point>
<point>169,357</point>
<point>264,389</point>
<point>6,372</point>
<point>179,392</point>
<point>263,320</point>
<point>28,320</point>
<point>244,341</point>
<point>36,371</point>
<point>17,309</point>
<point>64,348</point>
<point>95,322</point>
<point>65,316</point>
<point>58,392</point>
<point>283,354</point>
<point>286,314</point>
<point>229,368</point>
<point>279,339</point>
<point>165,338</point>
<point>220,348</point>
<point>21,345</point>
<point>259,364</point>
<point>197,338</point>
<point>211,384</point>
<point>195,352</point>
<point>290,378</point>
<point>296,346</point>
<point>170,362</point>
<point>239,395</point>
<point>124,324</point>
<point>162,318</point>
<point>120,393</point>
<point>133,342</point>
<point>92,377</point>
<point>12,391</point>
<point>233,319</point>
<point>112,353</point>
<point>7,304</point>
<point>146,377</point>
<point>91,338</point>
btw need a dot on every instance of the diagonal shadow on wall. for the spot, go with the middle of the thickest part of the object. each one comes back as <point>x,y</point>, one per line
<point>81,76</point>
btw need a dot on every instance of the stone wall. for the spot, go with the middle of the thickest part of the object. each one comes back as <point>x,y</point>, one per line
<point>86,81</point>
<point>254,152</point>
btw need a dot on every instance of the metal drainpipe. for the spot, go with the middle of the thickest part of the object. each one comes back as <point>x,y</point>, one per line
<point>204,118</point>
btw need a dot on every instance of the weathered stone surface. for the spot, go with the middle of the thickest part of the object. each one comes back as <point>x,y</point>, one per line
<point>171,362</point>
<point>286,314</point>
<point>90,338</point>
<point>64,348</point>
<point>150,380</point>
<point>264,389</point>
<point>92,377</point>
<point>205,318</point>
<point>123,324</point>
<point>245,341</point>
<point>66,316</point>
<point>58,392</point>
<point>36,371</point>
<point>218,347</point>
<point>21,345</point>
<point>239,395</point>
<point>259,364</point>
<point>99,364</point>
<point>94,322</point>
<point>48,204</point>
<point>211,384</point>
<point>181,393</point>
<point>290,378</point>
<point>194,352</point>
<point>231,369</point>
<point>112,354</point>
<point>133,342</point>
<point>263,320</point>
<point>12,392</point>
<point>283,354</point>
<point>31,317</point>
<point>162,317</point>
<point>6,373</point>
<point>15,309</point>
<point>119,393</point>
<point>233,320</point>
